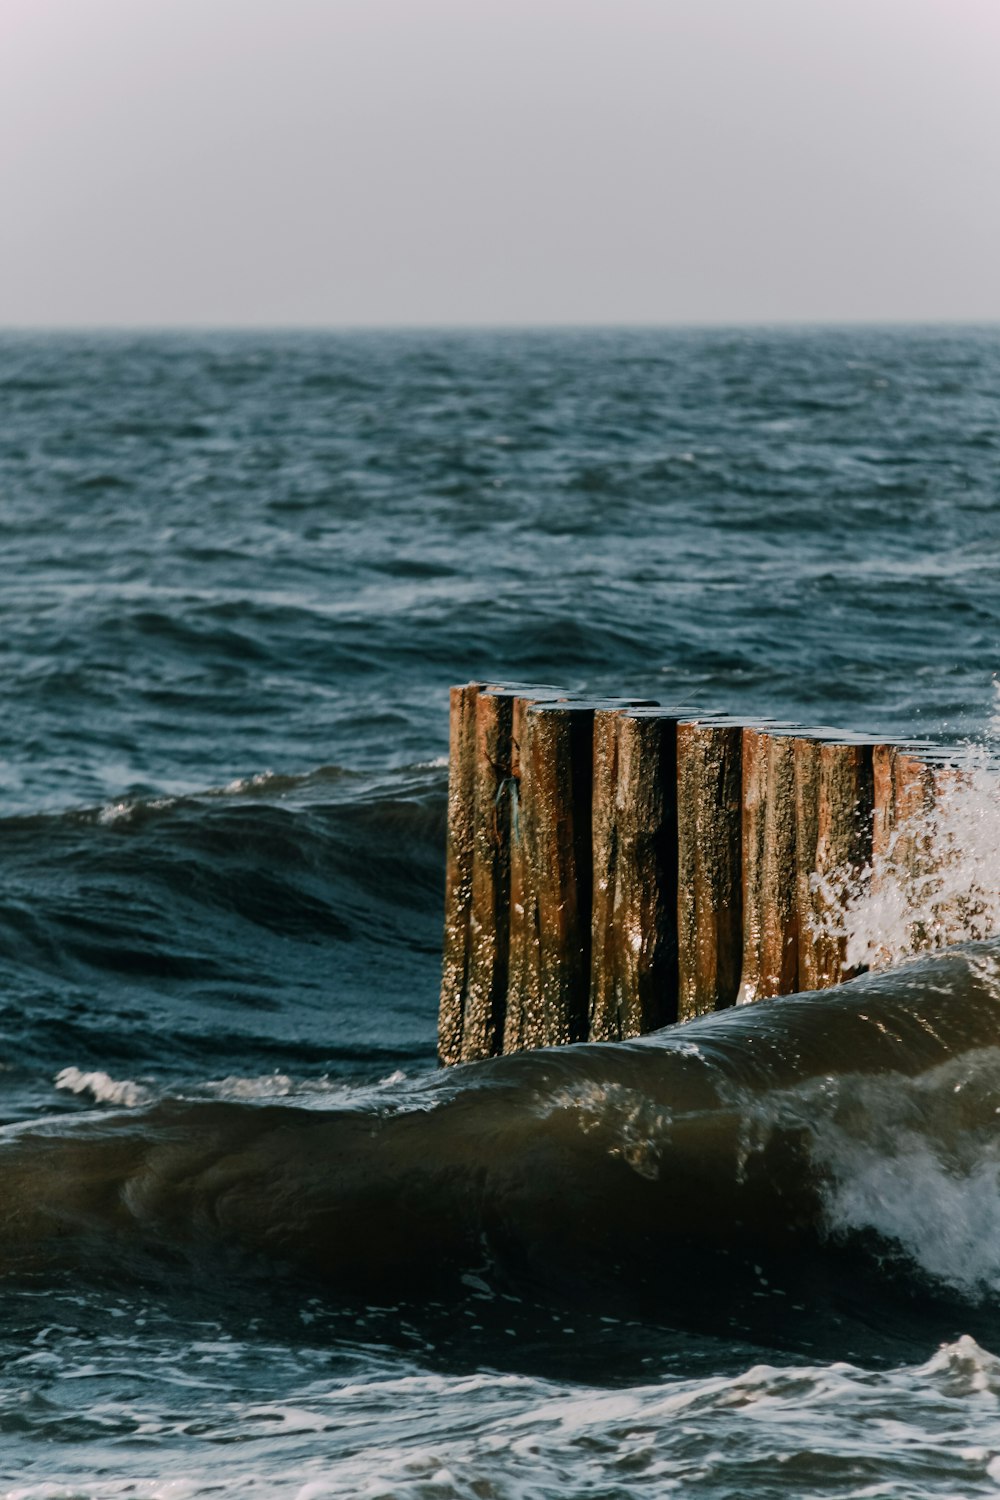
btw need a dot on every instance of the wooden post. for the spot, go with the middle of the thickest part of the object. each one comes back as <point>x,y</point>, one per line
<point>633,971</point>
<point>710,898</point>
<point>499,712</point>
<point>834,802</point>
<point>770,909</point>
<point>604,857</point>
<point>806,756</point>
<point>903,790</point>
<point>482,1023</point>
<point>933,843</point>
<point>550,936</point>
<point>522,973</point>
<point>458,871</point>
<point>549,1005</point>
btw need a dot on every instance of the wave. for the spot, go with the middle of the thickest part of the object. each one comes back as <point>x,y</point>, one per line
<point>750,1163</point>
<point>242,929</point>
<point>265,1088</point>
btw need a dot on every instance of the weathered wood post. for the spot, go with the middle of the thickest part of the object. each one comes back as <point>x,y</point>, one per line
<point>634,969</point>
<point>550,955</point>
<point>834,793</point>
<point>770,904</point>
<point>481,796</point>
<point>604,863</point>
<point>903,795</point>
<point>528,784</point>
<point>709,837</point>
<point>903,785</point>
<point>552,874</point>
<point>458,870</point>
<point>482,1022</point>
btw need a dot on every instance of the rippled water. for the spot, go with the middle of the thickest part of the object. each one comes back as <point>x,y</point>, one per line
<point>239,574</point>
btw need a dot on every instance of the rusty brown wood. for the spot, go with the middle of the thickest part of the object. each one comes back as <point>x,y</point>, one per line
<point>498,710</point>
<point>525,973</point>
<point>550,954</point>
<point>604,861</point>
<point>806,757</point>
<point>634,976</point>
<point>709,834</point>
<point>770,909</point>
<point>482,1023</point>
<point>458,870</point>
<point>903,794</point>
<point>834,793</point>
<point>522,976</point>
<point>753,755</point>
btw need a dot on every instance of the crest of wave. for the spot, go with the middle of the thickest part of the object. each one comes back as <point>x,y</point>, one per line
<point>918,1161</point>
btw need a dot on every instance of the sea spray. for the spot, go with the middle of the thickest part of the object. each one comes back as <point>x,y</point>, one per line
<point>937,883</point>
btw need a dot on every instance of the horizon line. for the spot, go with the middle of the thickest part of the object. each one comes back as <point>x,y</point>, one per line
<point>555,326</point>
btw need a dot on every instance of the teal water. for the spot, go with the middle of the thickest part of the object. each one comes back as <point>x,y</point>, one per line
<point>239,574</point>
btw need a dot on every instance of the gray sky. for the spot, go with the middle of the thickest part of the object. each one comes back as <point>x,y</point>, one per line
<point>498,161</point>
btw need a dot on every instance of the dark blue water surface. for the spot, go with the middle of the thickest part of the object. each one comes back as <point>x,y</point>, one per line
<point>239,573</point>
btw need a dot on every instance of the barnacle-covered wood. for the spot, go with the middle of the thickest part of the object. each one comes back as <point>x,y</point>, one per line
<point>903,794</point>
<point>482,1025</point>
<point>710,897</point>
<point>602,1004</point>
<point>499,710</point>
<point>903,787</point>
<point>806,752</point>
<point>458,870</point>
<point>834,801</point>
<point>770,908</point>
<point>550,969</point>
<point>633,983</point>
<point>522,973</point>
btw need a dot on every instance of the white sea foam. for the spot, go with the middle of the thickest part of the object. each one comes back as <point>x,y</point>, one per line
<point>102,1088</point>
<point>126,811</point>
<point>914,1160</point>
<point>268,1086</point>
<point>937,883</point>
<point>945,1219</point>
<point>319,1092</point>
<point>243,784</point>
<point>930,1429</point>
<point>120,1489</point>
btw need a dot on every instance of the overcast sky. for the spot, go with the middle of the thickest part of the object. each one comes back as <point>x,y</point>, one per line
<point>498,161</point>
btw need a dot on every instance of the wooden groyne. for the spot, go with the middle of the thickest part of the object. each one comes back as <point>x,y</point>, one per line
<point>615,865</point>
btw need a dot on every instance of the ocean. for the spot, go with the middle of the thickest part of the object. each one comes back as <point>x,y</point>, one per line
<point>253,1242</point>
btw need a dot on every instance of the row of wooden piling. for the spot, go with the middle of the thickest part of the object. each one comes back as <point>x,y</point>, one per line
<point>615,865</point>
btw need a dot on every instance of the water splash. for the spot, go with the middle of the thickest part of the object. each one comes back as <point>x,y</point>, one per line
<point>918,1162</point>
<point>102,1088</point>
<point>936,883</point>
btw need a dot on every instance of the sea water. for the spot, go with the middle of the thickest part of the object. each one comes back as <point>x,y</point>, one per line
<point>240,572</point>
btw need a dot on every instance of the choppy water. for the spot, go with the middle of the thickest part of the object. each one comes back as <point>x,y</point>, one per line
<point>251,1245</point>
